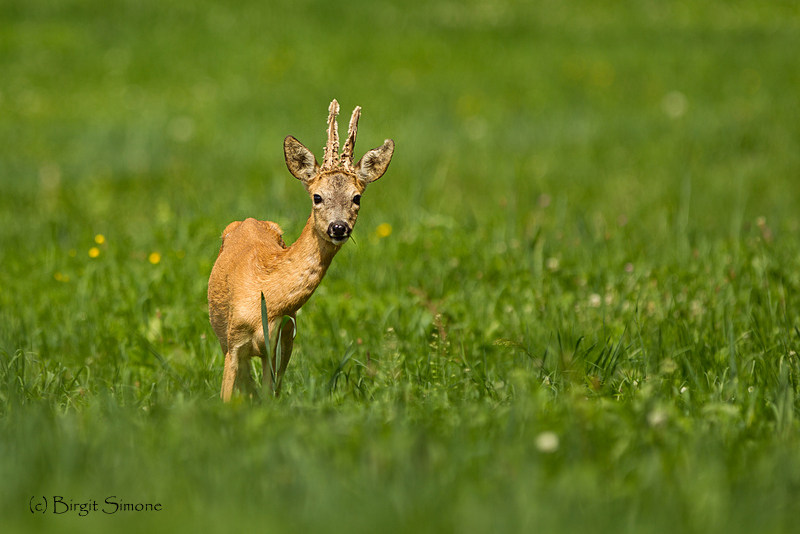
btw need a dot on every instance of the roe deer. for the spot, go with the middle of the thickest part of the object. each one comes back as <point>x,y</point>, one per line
<point>253,259</point>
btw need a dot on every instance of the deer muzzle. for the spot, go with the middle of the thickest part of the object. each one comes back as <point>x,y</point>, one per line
<point>338,231</point>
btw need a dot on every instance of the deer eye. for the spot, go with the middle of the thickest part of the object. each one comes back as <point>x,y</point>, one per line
<point>317,199</point>
<point>357,200</point>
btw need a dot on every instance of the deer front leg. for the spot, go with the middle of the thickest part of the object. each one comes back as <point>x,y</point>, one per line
<point>229,376</point>
<point>236,374</point>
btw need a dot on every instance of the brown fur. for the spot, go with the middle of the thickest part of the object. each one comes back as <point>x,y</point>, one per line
<point>253,259</point>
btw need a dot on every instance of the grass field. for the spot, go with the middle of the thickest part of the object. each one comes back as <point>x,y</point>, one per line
<point>572,303</point>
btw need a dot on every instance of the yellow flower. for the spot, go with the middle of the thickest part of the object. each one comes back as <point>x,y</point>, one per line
<point>384,230</point>
<point>154,258</point>
<point>94,252</point>
<point>99,239</point>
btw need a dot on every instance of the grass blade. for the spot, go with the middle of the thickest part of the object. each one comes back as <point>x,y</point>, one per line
<point>338,371</point>
<point>267,345</point>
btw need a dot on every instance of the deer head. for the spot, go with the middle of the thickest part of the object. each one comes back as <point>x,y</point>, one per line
<point>336,187</point>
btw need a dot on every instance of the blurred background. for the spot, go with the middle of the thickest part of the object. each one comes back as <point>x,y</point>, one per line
<point>648,110</point>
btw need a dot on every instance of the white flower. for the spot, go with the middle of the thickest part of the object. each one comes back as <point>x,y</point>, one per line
<point>656,417</point>
<point>547,442</point>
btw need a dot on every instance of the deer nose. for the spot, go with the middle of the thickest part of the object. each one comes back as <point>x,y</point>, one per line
<point>338,229</point>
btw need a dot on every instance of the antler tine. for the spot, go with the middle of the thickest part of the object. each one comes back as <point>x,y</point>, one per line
<point>350,144</point>
<point>331,157</point>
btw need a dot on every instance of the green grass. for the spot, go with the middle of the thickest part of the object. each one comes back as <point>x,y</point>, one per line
<point>594,238</point>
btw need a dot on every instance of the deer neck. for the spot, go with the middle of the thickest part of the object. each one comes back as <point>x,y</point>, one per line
<point>310,256</point>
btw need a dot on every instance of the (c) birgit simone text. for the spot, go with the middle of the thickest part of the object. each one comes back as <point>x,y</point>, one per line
<point>111,505</point>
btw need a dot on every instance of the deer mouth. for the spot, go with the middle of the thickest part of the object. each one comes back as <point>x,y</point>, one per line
<point>339,232</point>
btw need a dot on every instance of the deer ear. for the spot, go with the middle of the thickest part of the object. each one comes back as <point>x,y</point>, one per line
<point>375,162</point>
<point>300,161</point>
